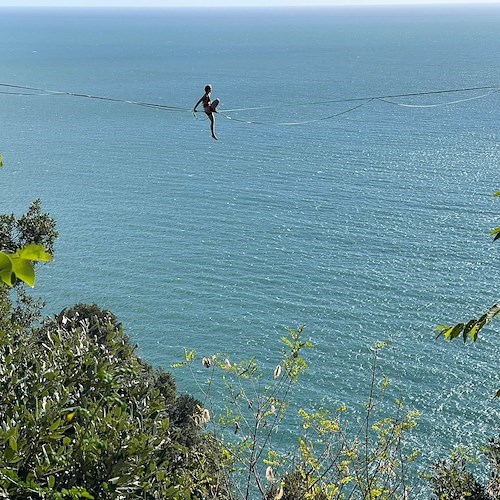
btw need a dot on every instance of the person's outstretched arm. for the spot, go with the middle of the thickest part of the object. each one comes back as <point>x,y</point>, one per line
<point>196,105</point>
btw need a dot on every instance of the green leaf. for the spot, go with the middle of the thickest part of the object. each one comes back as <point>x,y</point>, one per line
<point>474,332</point>
<point>497,193</point>
<point>456,331</point>
<point>34,252</point>
<point>188,355</point>
<point>442,327</point>
<point>468,328</point>
<point>178,365</point>
<point>1,161</point>
<point>55,425</point>
<point>9,455</point>
<point>5,269</point>
<point>13,442</point>
<point>51,482</point>
<point>23,269</point>
<point>446,332</point>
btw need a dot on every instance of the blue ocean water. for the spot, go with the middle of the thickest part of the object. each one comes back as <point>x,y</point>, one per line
<point>370,226</point>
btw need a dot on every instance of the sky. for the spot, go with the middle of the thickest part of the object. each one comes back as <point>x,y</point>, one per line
<point>222,3</point>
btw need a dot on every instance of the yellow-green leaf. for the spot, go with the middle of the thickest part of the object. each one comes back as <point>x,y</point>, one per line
<point>442,327</point>
<point>188,355</point>
<point>23,269</point>
<point>34,252</point>
<point>5,269</point>
<point>474,332</point>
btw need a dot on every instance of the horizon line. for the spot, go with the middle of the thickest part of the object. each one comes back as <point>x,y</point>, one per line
<point>382,3</point>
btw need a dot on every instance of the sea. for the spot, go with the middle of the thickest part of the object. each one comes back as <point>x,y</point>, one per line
<point>363,220</point>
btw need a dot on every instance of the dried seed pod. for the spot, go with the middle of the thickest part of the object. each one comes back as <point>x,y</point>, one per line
<point>205,416</point>
<point>270,474</point>
<point>280,493</point>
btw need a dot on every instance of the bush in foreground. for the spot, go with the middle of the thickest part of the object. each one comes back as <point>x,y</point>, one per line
<point>82,416</point>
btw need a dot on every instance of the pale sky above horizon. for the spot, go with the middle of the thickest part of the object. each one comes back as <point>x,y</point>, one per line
<point>225,3</point>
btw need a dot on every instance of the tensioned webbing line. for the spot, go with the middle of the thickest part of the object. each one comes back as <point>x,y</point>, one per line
<point>493,88</point>
<point>34,91</point>
<point>89,96</point>
<point>449,103</point>
<point>304,122</point>
<point>409,94</point>
<point>366,100</point>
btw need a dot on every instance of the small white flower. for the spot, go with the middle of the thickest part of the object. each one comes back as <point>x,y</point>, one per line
<point>277,371</point>
<point>227,364</point>
<point>207,362</point>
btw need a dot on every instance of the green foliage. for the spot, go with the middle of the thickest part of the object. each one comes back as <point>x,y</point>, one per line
<point>23,241</point>
<point>244,428</point>
<point>19,265</point>
<point>492,453</point>
<point>335,461</point>
<point>470,329</point>
<point>452,481</point>
<point>32,227</point>
<point>330,460</point>
<point>84,417</point>
<point>1,161</point>
<point>496,233</point>
<point>95,318</point>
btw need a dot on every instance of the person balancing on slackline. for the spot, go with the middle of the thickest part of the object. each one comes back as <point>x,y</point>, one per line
<point>210,107</point>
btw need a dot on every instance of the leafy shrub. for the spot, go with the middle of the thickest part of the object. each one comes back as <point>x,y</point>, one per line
<point>451,481</point>
<point>335,456</point>
<point>493,454</point>
<point>34,226</point>
<point>82,416</point>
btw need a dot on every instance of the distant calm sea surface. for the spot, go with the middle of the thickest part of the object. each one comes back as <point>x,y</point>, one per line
<point>370,226</point>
